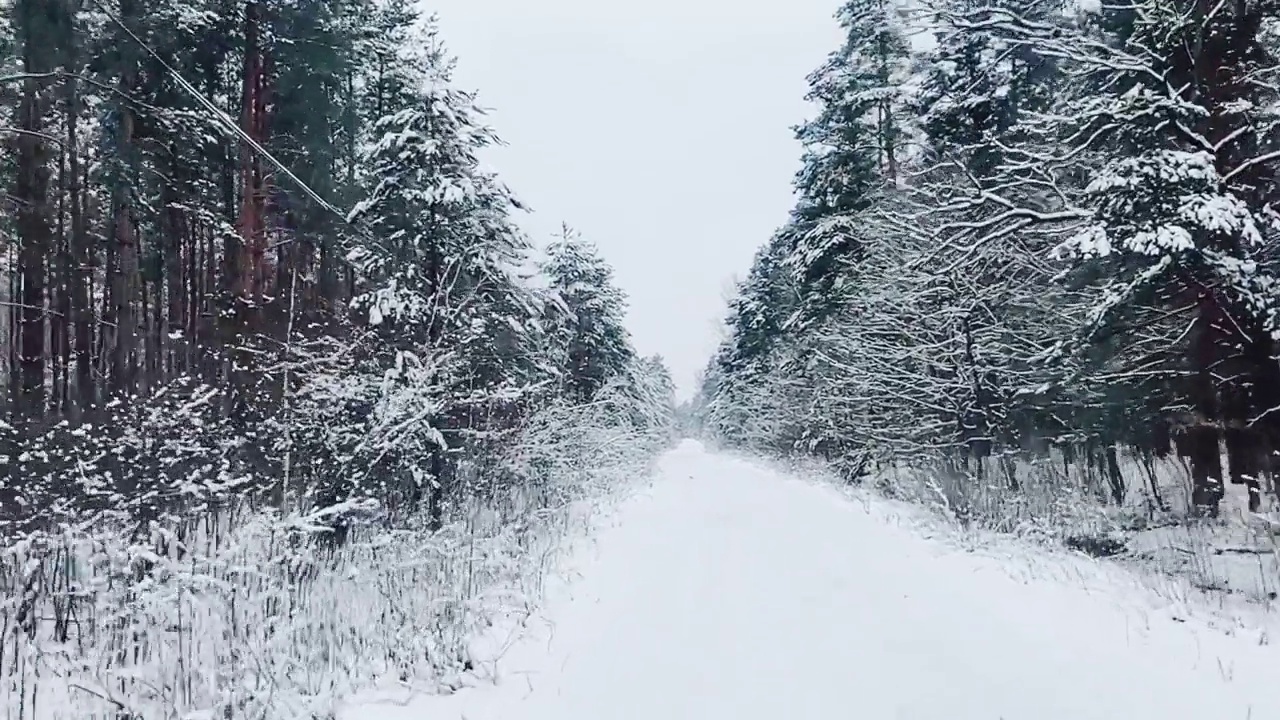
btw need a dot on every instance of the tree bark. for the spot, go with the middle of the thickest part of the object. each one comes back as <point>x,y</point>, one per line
<point>81,302</point>
<point>173,335</point>
<point>252,232</point>
<point>124,288</point>
<point>37,24</point>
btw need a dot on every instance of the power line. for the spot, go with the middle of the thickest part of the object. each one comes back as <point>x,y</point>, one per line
<point>224,120</point>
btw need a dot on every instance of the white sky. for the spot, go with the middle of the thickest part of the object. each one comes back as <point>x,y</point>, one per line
<point>660,129</point>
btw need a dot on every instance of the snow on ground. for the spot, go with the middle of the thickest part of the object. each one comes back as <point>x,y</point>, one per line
<point>728,590</point>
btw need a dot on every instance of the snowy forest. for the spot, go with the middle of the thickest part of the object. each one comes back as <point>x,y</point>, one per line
<point>293,407</point>
<point>1030,274</point>
<point>289,398</point>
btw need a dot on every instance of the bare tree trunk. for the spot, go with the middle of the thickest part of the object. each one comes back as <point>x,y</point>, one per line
<point>108,337</point>
<point>80,299</point>
<point>1206,469</point>
<point>252,232</point>
<point>13,328</point>
<point>1114,475</point>
<point>124,288</point>
<point>31,194</point>
<point>1206,345</point>
<point>1245,457</point>
<point>246,288</point>
<point>58,337</point>
<point>173,334</point>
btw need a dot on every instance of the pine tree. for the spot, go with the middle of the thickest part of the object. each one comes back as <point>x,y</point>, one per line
<point>853,148</point>
<point>980,79</point>
<point>589,329</point>
<point>650,395</point>
<point>983,298</point>
<point>437,272</point>
<point>1181,213</point>
<point>424,169</point>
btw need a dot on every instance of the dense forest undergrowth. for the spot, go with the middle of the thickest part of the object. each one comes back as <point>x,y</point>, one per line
<point>1030,277</point>
<point>291,405</point>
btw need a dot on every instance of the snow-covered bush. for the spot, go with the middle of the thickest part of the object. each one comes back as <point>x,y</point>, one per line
<point>246,611</point>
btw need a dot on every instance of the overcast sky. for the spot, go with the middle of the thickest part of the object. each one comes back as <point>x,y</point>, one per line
<point>660,129</point>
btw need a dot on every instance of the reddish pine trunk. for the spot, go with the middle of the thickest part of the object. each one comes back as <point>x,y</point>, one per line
<point>253,121</point>
<point>124,276</point>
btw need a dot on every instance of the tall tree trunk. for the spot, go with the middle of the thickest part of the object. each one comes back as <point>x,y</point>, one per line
<point>124,285</point>
<point>13,325</point>
<point>246,289</point>
<point>155,375</point>
<point>251,221</point>
<point>174,333</point>
<point>193,292</point>
<point>12,316</point>
<point>1114,475</point>
<point>57,287</point>
<point>107,338</point>
<point>37,22</point>
<point>79,279</point>
<point>1207,342</point>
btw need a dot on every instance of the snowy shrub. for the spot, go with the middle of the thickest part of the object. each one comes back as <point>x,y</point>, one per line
<point>245,611</point>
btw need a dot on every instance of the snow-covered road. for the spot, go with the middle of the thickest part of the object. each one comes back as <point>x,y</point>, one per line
<point>729,591</point>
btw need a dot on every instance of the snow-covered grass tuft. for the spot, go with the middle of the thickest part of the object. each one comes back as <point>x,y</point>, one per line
<point>247,612</point>
<point>1223,572</point>
<point>1154,527</point>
